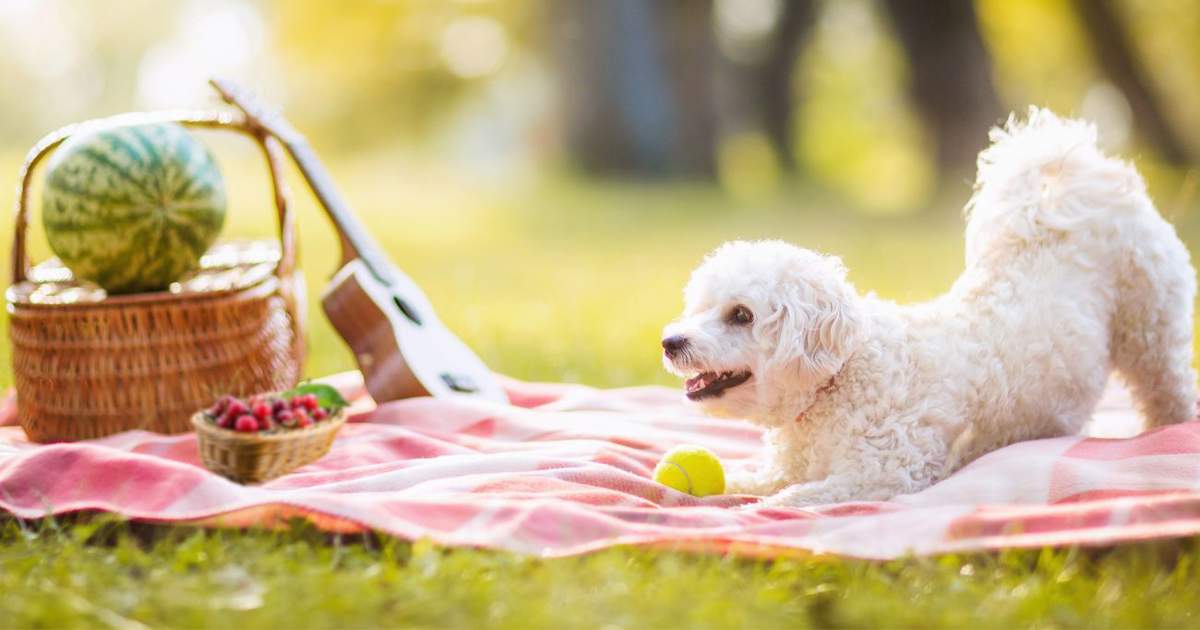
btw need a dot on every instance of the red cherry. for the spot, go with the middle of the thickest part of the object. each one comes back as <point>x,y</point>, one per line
<point>278,405</point>
<point>319,414</point>
<point>237,408</point>
<point>310,402</point>
<point>265,424</point>
<point>220,406</point>
<point>246,424</point>
<point>225,421</point>
<point>261,410</point>
<point>303,419</point>
<point>286,418</point>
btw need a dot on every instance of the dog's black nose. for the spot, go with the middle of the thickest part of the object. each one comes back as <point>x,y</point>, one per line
<point>674,344</point>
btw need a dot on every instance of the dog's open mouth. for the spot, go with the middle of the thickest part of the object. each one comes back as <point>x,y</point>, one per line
<point>712,384</point>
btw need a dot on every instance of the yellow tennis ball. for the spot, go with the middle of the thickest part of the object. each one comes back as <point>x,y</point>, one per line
<point>691,469</point>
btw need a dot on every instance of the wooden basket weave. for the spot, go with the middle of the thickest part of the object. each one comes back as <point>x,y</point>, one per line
<point>86,364</point>
<point>255,457</point>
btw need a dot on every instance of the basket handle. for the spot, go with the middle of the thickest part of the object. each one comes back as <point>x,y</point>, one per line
<point>199,119</point>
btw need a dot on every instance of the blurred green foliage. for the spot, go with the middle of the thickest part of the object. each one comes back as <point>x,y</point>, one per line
<point>856,133</point>
<point>367,75</point>
<point>379,67</point>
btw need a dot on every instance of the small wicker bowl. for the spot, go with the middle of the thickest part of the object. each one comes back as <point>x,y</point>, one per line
<point>256,457</point>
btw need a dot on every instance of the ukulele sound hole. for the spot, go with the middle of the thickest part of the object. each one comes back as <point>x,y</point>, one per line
<point>460,383</point>
<point>406,310</point>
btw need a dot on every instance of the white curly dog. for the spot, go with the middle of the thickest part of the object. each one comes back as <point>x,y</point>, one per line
<point>1070,274</point>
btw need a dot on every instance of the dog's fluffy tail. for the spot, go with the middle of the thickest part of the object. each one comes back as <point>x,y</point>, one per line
<point>1042,176</point>
<point>1044,182</point>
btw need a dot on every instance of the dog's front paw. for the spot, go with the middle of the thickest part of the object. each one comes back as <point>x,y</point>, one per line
<point>746,481</point>
<point>739,482</point>
<point>825,491</point>
<point>781,500</point>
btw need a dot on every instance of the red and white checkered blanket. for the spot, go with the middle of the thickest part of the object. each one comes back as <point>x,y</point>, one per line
<point>566,470</point>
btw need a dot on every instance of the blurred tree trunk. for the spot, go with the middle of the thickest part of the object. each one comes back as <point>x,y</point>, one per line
<point>951,75</point>
<point>635,79</point>
<point>757,93</point>
<point>1113,47</point>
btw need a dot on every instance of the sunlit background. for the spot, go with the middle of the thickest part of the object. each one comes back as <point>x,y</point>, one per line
<point>550,170</point>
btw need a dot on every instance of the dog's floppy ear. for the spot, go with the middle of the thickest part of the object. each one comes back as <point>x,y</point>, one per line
<point>831,335</point>
<point>819,322</point>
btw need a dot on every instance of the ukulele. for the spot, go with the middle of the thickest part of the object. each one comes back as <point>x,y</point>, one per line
<point>401,347</point>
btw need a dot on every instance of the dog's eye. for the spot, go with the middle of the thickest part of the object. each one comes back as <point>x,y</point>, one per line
<point>740,316</point>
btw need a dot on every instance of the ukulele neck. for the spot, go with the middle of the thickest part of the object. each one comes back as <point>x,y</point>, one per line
<point>356,240</point>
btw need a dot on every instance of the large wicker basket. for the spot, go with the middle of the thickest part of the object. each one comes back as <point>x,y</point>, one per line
<point>87,364</point>
<point>255,457</point>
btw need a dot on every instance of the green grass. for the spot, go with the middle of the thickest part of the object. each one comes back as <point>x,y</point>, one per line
<point>116,575</point>
<point>565,281</point>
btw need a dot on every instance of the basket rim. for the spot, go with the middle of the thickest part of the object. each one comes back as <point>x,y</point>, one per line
<point>266,286</point>
<point>207,429</point>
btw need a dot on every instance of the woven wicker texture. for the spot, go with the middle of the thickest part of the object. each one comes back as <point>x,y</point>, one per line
<point>87,365</point>
<point>255,457</point>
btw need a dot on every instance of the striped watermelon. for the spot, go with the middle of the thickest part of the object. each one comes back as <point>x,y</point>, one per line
<point>132,208</point>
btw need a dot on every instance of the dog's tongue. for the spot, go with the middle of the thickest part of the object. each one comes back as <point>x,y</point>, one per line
<point>700,381</point>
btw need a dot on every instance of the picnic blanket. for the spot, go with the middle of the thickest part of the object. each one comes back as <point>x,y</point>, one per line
<point>565,469</point>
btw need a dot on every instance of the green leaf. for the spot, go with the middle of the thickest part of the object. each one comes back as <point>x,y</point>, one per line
<point>327,396</point>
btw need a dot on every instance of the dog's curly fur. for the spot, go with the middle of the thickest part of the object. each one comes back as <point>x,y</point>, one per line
<point>1070,274</point>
